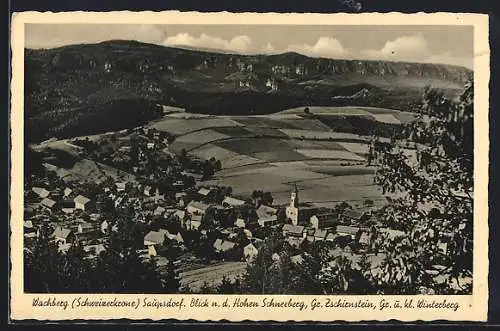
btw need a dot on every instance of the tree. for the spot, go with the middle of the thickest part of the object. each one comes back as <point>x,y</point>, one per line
<point>267,198</point>
<point>226,286</point>
<point>170,279</point>
<point>439,171</point>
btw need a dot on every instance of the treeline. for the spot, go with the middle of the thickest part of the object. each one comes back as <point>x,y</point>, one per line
<point>110,116</point>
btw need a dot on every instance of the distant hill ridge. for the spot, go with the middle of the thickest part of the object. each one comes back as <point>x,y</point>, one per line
<point>82,54</point>
<point>91,80</point>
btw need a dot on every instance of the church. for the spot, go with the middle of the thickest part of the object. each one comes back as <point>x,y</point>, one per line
<point>299,214</point>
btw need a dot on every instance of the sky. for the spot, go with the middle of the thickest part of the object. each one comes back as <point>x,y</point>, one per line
<point>412,43</point>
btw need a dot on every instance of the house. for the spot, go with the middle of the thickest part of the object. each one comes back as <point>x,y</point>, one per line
<point>159,211</point>
<point>176,237</point>
<point>295,241</point>
<point>41,192</point>
<point>355,215</point>
<point>250,252</point>
<point>346,230</point>
<point>265,211</point>
<point>63,235</point>
<point>322,221</point>
<point>179,195</point>
<point>153,238</point>
<point>150,145</point>
<point>148,190</point>
<point>86,228</point>
<point>94,250</point>
<point>291,230</point>
<point>152,251</point>
<point>248,233</point>
<point>29,236</point>
<point>240,223</point>
<point>95,217</point>
<point>365,238</point>
<point>297,259</point>
<point>442,247</point>
<point>67,192</point>
<point>81,202</point>
<point>121,186</point>
<point>194,222</point>
<point>204,192</point>
<point>197,208</point>
<point>104,227</point>
<point>267,216</point>
<point>222,246</point>
<point>320,235</point>
<point>330,236</point>
<point>28,225</point>
<point>392,234</point>
<point>268,221</point>
<point>48,203</point>
<point>232,202</point>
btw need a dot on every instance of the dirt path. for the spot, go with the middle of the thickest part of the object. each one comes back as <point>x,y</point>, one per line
<point>212,274</point>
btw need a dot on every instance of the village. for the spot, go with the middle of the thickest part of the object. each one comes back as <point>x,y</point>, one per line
<point>179,219</point>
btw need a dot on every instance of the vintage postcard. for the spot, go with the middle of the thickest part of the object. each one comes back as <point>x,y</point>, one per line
<point>264,167</point>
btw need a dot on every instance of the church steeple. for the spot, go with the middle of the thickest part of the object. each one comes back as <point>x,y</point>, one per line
<point>294,199</point>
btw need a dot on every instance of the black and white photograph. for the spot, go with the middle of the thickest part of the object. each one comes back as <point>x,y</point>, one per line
<point>206,158</point>
<point>248,159</point>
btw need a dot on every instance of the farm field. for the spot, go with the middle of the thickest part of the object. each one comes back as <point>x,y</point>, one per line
<point>274,152</point>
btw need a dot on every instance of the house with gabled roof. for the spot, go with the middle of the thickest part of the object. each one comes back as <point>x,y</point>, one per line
<point>41,192</point>
<point>355,215</point>
<point>87,227</point>
<point>153,238</point>
<point>63,235</point>
<point>67,192</point>
<point>232,202</point>
<point>320,234</point>
<point>197,208</point>
<point>159,211</point>
<point>48,203</point>
<point>222,246</point>
<point>294,230</point>
<point>175,237</point>
<point>347,230</point>
<point>121,186</point>
<point>204,192</point>
<point>148,190</point>
<point>321,221</point>
<point>250,252</point>
<point>81,202</point>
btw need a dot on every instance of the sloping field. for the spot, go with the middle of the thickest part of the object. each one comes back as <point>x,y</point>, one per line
<point>255,145</point>
<point>358,148</point>
<point>228,158</point>
<point>182,126</point>
<point>329,154</point>
<point>353,184</point>
<point>306,124</point>
<point>383,115</point>
<point>331,110</point>
<point>195,139</point>
<point>88,170</point>
<point>321,135</point>
<point>280,155</point>
<point>234,131</point>
<point>202,136</point>
<point>266,132</point>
